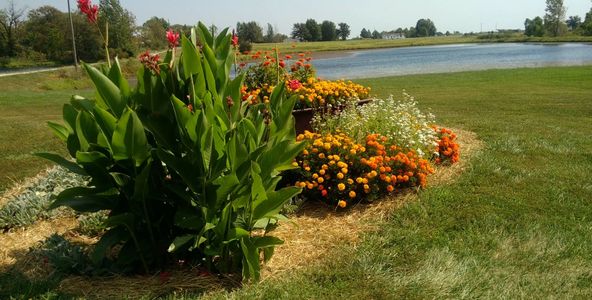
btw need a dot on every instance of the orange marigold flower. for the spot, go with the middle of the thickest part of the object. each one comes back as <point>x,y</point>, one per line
<point>342,203</point>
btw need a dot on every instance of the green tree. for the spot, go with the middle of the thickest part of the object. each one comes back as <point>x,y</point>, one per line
<point>425,27</point>
<point>573,22</point>
<point>10,26</point>
<point>300,32</point>
<point>269,34</point>
<point>554,18</point>
<point>587,25</point>
<point>376,35</point>
<point>343,31</point>
<point>314,29</point>
<point>121,27</point>
<point>153,33</point>
<point>328,31</point>
<point>534,27</point>
<point>365,34</point>
<point>248,33</point>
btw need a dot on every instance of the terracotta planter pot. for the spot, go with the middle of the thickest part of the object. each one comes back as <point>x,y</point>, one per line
<point>303,117</point>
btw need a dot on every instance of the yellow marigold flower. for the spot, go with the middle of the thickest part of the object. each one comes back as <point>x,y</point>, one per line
<point>352,152</point>
<point>320,180</point>
<point>342,203</point>
<point>352,194</point>
<point>341,186</point>
<point>324,167</point>
<point>310,186</point>
<point>365,180</point>
<point>315,176</point>
<point>330,157</point>
<point>366,187</point>
<point>322,172</point>
<point>305,152</point>
<point>336,157</point>
<point>307,169</point>
<point>295,164</point>
<point>344,170</point>
<point>327,146</point>
<point>332,162</point>
<point>322,155</point>
<point>340,175</point>
<point>359,180</point>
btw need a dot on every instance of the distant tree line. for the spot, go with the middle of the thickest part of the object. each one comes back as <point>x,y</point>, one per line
<point>44,33</point>
<point>311,31</point>
<point>554,23</point>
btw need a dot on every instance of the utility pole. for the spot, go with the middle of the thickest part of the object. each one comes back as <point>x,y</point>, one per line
<point>73,37</point>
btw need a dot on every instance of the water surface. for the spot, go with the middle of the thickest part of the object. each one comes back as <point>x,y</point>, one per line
<point>452,58</point>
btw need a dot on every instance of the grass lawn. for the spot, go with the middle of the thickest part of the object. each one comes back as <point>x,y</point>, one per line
<point>27,102</point>
<point>516,224</point>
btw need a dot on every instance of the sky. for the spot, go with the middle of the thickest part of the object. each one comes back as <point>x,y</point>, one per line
<point>381,15</point>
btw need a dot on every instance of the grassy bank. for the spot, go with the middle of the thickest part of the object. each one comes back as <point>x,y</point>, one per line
<point>428,41</point>
<point>515,224</point>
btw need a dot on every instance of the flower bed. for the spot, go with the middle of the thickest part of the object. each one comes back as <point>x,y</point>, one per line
<point>336,169</point>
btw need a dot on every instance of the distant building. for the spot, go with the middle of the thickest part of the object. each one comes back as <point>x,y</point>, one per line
<point>391,35</point>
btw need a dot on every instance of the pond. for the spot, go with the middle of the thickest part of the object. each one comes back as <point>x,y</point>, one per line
<point>451,58</point>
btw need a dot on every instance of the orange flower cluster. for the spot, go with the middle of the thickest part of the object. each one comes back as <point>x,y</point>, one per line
<point>336,169</point>
<point>316,92</point>
<point>448,148</point>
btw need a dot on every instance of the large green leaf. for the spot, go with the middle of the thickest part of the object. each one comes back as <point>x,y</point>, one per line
<point>180,241</point>
<point>106,121</point>
<point>251,267</point>
<point>62,132</point>
<point>129,139</point>
<point>190,58</point>
<point>273,203</point>
<point>118,79</point>
<point>108,91</point>
<point>69,165</point>
<point>86,130</point>
<point>86,199</point>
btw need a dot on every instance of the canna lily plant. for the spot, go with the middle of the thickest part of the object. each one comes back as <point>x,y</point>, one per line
<point>185,168</point>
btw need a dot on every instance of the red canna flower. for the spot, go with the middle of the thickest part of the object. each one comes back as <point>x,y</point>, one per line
<point>150,61</point>
<point>173,38</point>
<point>234,39</point>
<point>288,56</point>
<point>282,64</point>
<point>91,11</point>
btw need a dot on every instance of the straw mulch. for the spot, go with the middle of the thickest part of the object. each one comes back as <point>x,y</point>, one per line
<point>310,235</point>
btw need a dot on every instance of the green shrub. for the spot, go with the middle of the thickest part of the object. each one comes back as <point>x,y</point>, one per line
<point>185,169</point>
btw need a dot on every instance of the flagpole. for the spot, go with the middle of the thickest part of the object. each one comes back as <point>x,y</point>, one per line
<point>73,37</point>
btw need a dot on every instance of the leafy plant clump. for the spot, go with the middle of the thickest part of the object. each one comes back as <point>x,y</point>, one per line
<point>31,204</point>
<point>401,121</point>
<point>185,169</point>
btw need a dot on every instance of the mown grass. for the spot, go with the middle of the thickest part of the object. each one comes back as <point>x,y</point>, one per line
<point>516,224</point>
<point>427,41</point>
<point>27,102</point>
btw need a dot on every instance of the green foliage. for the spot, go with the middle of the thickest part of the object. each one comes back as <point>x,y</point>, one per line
<point>185,169</point>
<point>121,27</point>
<point>300,32</point>
<point>343,31</point>
<point>555,18</point>
<point>249,32</point>
<point>314,29</point>
<point>425,27</point>
<point>153,32</point>
<point>31,204</point>
<point>63,257</point>
<point>365,34</point>
<point>328,31</point>
<point>534,27</point>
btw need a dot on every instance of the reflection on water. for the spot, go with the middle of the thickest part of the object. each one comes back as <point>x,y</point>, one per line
<point>452,58</point>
